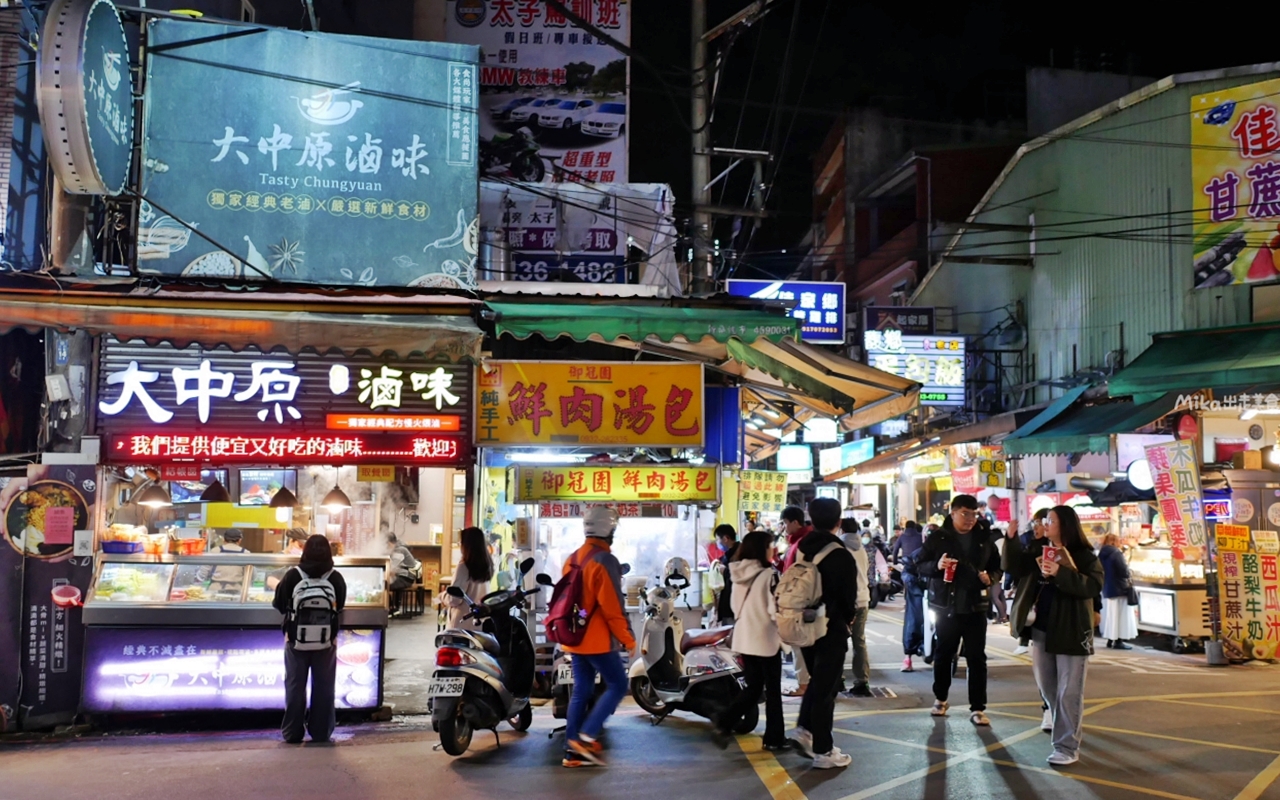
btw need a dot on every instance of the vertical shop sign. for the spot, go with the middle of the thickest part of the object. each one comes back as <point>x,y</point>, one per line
<point>1249,591</point>
<point>762,491</point>
<point>1176,476</point>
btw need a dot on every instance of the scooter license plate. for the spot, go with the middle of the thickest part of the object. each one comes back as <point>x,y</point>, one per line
<point>446,687</point>
<point>564,674</point>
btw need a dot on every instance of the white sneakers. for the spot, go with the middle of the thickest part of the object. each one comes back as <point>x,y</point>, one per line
<point>1046,724</point>
<point>1021,650</point>
<point>1061,758</point>
<point>803,741</point>
<point>833,760</point>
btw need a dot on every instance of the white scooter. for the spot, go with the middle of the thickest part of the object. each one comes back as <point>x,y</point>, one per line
<point>701,675</point>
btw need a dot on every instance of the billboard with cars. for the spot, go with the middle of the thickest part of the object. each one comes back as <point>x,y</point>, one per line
<point>553,96</point>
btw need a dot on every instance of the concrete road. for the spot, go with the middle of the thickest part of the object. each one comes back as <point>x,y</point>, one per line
<point>1158,725</point>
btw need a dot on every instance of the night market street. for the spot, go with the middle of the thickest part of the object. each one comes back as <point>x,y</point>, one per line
<point>1158,725</point>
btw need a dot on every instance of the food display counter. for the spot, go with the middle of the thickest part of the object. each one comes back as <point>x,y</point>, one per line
<point>1172,596</point>
<point>195,633</point>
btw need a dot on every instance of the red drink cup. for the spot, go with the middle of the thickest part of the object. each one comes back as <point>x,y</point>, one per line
<point>949,574</point>
<point>1050,553</point>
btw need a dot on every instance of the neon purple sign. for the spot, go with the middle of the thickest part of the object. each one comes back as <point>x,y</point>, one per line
<point>184,669</point>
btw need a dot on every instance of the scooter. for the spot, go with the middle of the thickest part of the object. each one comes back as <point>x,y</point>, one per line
<point>484,677</point>
<point>702,675</point>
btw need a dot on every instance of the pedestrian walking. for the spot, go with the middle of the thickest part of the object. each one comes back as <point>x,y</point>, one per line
<point>607,633</point>
<point>905,550</point>
<point>311,596</point>
<point>1034,531</point>
<point>472,576</point>
<point>1058,579</point>
<point>727,538</point>
<point>961,562</point>
<point>825,657</point>
<point>861,665</point>
<point>755,638</point>
<point>1118,620</point>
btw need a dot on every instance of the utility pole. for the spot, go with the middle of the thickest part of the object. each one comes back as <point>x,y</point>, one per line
<point>700,270</point>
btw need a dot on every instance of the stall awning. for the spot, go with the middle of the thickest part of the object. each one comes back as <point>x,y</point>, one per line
<point>1185,361</point>
<point>245,323</point>
<point>1087,429</point>
<point>992,427</point>
<point>636,323</point>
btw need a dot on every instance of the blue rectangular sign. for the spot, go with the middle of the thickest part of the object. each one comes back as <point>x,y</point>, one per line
<point>857,451</point>
<point>335,160</point>
<point>819,306</point>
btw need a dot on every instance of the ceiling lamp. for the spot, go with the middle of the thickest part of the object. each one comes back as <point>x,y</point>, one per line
<point>336,501</point>
<point>216,493</point>
<point>284,499</point>
<point>154,496</point>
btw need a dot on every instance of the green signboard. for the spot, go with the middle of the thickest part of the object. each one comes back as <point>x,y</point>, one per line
<point>308,157</point>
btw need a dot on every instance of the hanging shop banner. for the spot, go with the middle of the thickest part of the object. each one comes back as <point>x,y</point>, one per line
<point>762,491</point>
<point>1176,474</point>
<point>993,473</point>
<point>576,403</point>
<point>1235,184</point>
<point>818,306</point>
<point>936,362</point>
<point>197,397</point>
<point>964,480</point>
<point>566,510</point>
<point>1249,594</point>
<point>906,319</point>
<point>287,152</point>
<point>553,97</point>
<point>621,484</point>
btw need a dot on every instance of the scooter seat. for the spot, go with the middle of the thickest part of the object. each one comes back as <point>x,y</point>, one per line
<point>489,642</point>
<point>704,638</point>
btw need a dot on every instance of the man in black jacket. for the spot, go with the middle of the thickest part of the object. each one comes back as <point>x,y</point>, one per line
<point>966,547</point>
<point>825,659</point>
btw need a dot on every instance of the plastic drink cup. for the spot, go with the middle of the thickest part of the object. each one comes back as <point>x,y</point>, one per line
<point>949,574</point>
<point>1050,553</point>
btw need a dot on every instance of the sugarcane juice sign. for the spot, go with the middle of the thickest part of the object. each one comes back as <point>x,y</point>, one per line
<point>621,484</point>
<point>578,403</point>
<point>308,157</point>
<point>1249,592</point>
<point>1176,475</point>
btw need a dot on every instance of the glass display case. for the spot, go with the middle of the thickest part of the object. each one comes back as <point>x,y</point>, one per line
<point>131,583</point>
<point>1156,565</point>
<point>1172,597</point>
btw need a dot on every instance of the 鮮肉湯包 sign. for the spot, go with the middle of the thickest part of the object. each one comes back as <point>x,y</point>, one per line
<point>938,362</point>
<point>819,306</point>
<point>578,403</point>
<point>628,483</point>
<point>1235,184</point>
<point>553,102</point>
<point>312,157</point>
<point>161,403</point>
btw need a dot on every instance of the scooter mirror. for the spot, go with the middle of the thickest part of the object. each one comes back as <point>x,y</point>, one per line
<point>456,591</point>
<point>544,579</point>
<point>525,566</point>
<point>625,569</point>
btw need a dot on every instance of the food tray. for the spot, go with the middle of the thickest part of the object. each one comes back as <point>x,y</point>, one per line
<point>122,547</point>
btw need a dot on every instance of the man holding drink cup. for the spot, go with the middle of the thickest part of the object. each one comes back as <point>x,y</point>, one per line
<point>961,562</point>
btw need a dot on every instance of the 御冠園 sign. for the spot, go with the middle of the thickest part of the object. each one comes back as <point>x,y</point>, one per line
<point>618,484</point>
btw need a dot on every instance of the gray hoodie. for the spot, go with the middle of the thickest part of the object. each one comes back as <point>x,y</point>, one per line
<point>755,631</point>
<point>853,541</point>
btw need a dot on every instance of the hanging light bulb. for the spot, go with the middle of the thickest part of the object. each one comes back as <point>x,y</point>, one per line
<point>336,501</point>
<point>284,499</point>
<point>154,496</point>
<point>216,493</point>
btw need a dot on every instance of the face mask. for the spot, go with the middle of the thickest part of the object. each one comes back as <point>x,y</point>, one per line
<point>866,540</point>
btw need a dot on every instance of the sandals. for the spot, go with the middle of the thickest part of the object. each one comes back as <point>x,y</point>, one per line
<point>939,708</point>
<point>980,719</point>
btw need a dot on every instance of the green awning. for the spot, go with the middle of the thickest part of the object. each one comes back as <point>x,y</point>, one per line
<point>1186,361</point>
<point>1052,412</point>
<point>1086,429</point>
<point>581,321</point>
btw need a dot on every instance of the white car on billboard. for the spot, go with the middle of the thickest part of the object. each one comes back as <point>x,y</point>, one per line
<point>532,112</point>
<point>566,114</point>
<point>502,112</point>
<point>609,121</point>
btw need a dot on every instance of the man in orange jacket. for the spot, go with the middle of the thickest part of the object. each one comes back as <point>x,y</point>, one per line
<point>607,632</point>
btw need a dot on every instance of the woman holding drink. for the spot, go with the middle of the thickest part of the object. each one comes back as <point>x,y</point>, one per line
<point>1058,578</point>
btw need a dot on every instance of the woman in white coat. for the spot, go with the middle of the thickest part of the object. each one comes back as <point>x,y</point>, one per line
<point>475,571</point>
<point>755,638</point>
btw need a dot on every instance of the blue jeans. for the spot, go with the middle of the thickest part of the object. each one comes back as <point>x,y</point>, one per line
<point>913,617</point>
<point>585,667</point>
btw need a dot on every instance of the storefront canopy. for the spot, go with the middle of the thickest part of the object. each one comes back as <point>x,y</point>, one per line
<point>245,323</point>
<point>1185,361</point>
<point>636,323</point>
<point>1084,429</point>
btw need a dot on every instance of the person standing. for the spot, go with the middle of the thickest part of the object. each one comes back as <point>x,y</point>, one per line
<point>472,576</point>
<point>321,665</point>
<point>1034,532</point>
<point>861,667</point>
<point>795,529</point>
<point>607,632</point>
<point>1056,591</point>
<point>905,550</point>
<point>1118,620</point>
<point>961,562</point>
<point>825,658</point>
<point>755,638</point>
<point>727,538</point>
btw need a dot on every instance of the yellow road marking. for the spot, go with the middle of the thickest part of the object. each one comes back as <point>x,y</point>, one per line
<point>771,773</point>
<point>1216,706</point>
<point>1086,779</point>
<point>1260,782</point>
<point>1145,734</point>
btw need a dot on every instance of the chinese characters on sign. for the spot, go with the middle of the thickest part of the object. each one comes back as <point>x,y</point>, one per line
<point>914,320</point>
<point>762,491</point>
<point>553,402</point>
<point>1235,191</point>
<point>1249,594</point>
<point>1233,538</point>
<point>818,306</point>
<point>993,472</point>
<point>283,448</point>
<point>623,484</point>
<point>936,362</point>
<point>567,510</point>
<point>1176,474</point>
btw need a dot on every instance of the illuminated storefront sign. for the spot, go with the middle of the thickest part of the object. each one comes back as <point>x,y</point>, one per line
<point>935,361</point>
<point>567,510</point>
<point>818,306</point>
<point>212,448</point>
<point>621,484</point>
<point>572,403</point>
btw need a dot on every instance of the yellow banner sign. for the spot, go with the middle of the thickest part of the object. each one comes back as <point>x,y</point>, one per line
<point>578,403</point>
<point>762,491</point>
<point>375,473</point>
<point>993,472</point>
<point>1232,538</point>
<point>618,484</point>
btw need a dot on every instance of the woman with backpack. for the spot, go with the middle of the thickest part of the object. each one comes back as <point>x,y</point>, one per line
<point>472,576</point>
<point>310,596</point>
<point>755,638</point>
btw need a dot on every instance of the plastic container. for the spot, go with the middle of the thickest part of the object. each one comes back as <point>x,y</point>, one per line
<point>122,547</point>
<point>188,547</point>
